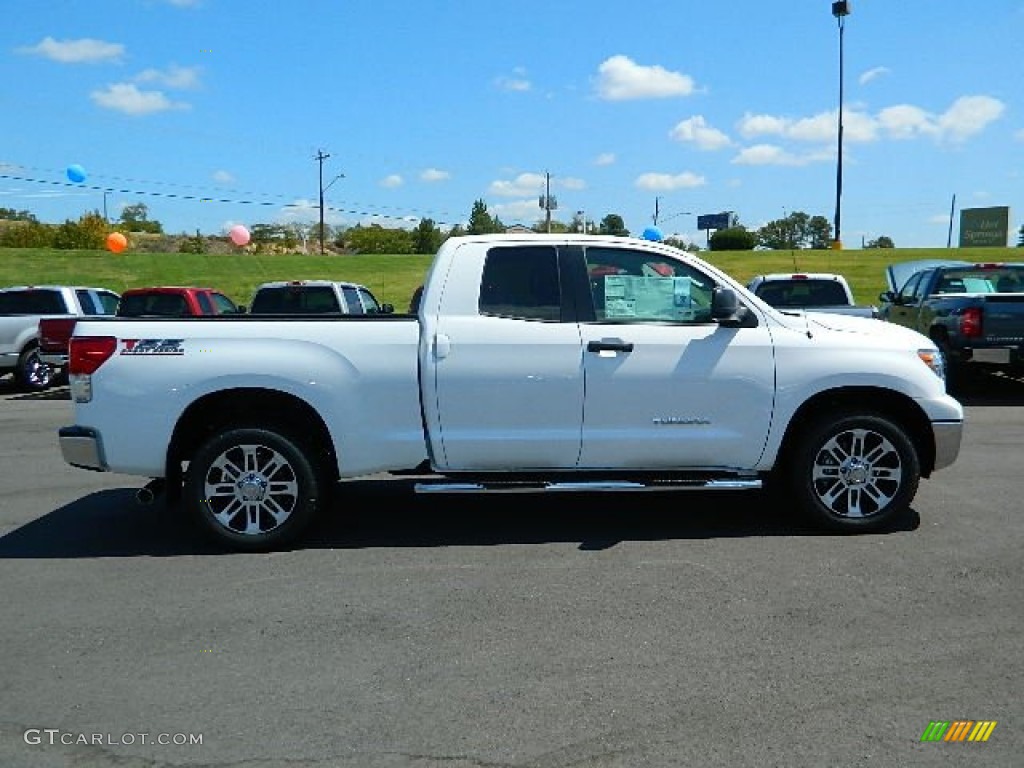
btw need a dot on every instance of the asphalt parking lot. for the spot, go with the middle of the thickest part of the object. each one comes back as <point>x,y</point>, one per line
<point>618,631</point>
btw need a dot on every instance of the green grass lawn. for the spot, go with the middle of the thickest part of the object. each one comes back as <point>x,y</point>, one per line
<point>393,278</point>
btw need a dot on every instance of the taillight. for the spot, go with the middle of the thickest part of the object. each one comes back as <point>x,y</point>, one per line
<point>970,322</point>
<point>54,333</point>
<point>87,353</point>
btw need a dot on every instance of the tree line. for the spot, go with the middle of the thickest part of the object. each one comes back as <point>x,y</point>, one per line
<point>797,230</point>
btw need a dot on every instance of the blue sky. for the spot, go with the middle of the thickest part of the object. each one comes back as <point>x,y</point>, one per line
<point>213,116</point>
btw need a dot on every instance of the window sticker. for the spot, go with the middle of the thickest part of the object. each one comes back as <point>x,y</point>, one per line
<point>629,297</point>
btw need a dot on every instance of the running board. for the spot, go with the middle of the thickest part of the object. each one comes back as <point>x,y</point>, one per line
<point>526,486</point>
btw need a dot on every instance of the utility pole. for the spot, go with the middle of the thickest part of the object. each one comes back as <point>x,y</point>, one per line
<point>949,234</point>
<point>547,202</point>
<point>321,157</point>
<point>840,9</point>
<point>655,222</point>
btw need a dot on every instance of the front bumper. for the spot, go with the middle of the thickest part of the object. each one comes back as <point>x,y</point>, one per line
<point>948,437</point>
<point>82,447</point>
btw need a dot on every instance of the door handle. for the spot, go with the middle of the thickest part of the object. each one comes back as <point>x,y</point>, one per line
<point>442,346</point>
<point>609,346</point>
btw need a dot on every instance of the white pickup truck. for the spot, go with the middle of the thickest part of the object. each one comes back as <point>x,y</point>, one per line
<point>810,292</point>
<point>536,363</point>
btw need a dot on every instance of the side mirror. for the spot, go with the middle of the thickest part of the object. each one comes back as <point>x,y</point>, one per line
<point>728,312</point>
<point>888,297</point>
<point>241,309</point>
<point>387,309</point>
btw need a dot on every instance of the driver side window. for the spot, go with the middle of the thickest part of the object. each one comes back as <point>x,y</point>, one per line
<point>637,286</point>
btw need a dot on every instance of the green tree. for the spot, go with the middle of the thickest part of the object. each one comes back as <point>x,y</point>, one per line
<point>89,232</point>
<point>377,239</point>
<point>612,224</point>
<point>880,242</point>
<point>819,233</point>
<point>426,238</point>
<point>481,222</point>
<point>195,244</point>
<point>135,218</point>
<point>737,238</point>
<point>27,234</point>
<point>798,230</point>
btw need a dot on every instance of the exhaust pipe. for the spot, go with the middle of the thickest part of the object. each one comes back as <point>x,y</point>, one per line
<point>147,494</point>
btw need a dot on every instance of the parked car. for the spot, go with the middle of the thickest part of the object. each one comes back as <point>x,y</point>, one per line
<point>973,312</point>
<point>316,297</point>
<point>175,301</point>
<point>161,301</point>
<point>810,292</point>
<point>21,309</point>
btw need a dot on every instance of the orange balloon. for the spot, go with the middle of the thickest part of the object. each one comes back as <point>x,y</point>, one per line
<point>117,242</point>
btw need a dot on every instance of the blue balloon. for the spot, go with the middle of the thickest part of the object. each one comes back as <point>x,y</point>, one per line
<point>76,173</point>
<point>653,233</point>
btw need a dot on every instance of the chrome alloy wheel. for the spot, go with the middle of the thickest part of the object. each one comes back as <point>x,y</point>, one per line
<point>857,473</point>
<point>250,489</point>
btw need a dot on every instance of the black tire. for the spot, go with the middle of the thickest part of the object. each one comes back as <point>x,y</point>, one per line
<point>253,489</point>
<point>854,473</point>
<point>32,373</point>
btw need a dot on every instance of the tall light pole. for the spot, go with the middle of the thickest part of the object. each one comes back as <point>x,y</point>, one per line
<point>840,9</point>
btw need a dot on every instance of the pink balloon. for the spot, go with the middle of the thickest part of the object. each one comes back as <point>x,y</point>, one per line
<point>239,235</point>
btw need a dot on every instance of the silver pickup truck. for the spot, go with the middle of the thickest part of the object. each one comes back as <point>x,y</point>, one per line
<point>21,309</point>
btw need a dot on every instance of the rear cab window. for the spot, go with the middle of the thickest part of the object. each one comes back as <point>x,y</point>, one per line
<point>33,301</point>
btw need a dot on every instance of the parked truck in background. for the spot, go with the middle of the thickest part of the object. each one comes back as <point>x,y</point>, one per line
<point>973,312</point>
<point>316,297</point>
<point>535,363</point>
<point>810,292</point>
<point>21,309</point>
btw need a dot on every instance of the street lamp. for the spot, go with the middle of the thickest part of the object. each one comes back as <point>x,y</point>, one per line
<point>840,9</point>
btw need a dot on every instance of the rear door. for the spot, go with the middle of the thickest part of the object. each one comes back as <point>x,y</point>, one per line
<point>507,363</point>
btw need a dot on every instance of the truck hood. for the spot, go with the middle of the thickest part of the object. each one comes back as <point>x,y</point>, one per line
<point>889,334</point>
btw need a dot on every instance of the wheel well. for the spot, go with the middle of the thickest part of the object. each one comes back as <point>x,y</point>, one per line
<point>253,407</point>
<point>884,402</point>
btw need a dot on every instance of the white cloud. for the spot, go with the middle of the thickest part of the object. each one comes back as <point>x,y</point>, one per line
<point>872,74</point>
<point>127,98</point>
<point>568,182</point>
<point>391,181</point>
<point>769,154</point>
<point>523,184</point>
<point>969,115</point>
<point>433,174</point>
<point>666,182</point>
<point>620,79</point>
<point>76,51</point>
<point>751,126</point>
<point>605,158</point>
<point>904,121</point>
<point>173,77</point>
<point>223,177</point>
<point>695,130</point>
<point>515,82</point>
<point>519,210</point>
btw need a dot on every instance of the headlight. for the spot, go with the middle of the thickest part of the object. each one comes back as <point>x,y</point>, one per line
<point>933,359</point>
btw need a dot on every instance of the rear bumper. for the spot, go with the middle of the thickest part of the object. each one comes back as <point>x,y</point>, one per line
<point>948,436</point>
<point>82,447</point>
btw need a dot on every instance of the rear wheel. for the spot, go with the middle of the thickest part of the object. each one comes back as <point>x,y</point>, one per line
<point>254,489</point>
<point>854,472</point>
<point>32,373</point>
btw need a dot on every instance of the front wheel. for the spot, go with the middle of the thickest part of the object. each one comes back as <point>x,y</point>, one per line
<point>854,472</point>
<point>254,489</point>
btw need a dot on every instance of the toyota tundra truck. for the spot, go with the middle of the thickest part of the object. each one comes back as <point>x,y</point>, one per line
<point>535,363</point>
